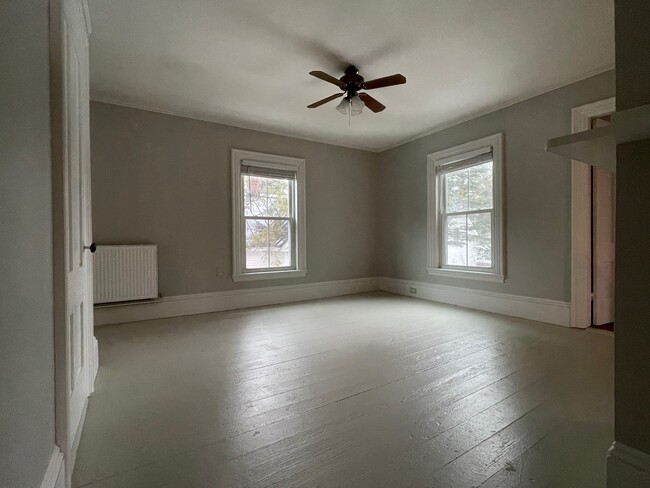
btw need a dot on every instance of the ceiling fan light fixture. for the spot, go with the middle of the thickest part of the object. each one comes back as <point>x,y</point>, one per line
<point>356,105</point>
<point>352,83</point>
<point>344,106</point>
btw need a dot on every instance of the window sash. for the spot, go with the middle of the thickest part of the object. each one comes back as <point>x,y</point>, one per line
<point>441,172</point>
<point>291,185</point>
<point>443,242</point>
<point>442,183</point>
<point>293,236</point>
<point>292,248</point>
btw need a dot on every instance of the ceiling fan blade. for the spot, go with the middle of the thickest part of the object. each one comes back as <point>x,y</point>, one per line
<point>371,103</point>
<point>329,78</point>
<point>325,100</point>
<point>385,81</point>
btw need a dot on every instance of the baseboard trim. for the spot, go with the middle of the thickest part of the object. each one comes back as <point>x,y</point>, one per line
<point>54,476</point>
<point>175,306</point>
<point>627,467</point>
<point>538,309</point>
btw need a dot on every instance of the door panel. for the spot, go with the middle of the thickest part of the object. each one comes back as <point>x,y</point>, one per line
<point>76,214</point>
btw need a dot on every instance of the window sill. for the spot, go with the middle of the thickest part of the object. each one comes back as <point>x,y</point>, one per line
<point>468,275</point>
<point>270,275</point>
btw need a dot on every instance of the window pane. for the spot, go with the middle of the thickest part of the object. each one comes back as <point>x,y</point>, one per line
<point>457,188</point>
<point>266,197</point>
<point>456,237</point>
<point>268,244</point>
<point>278,197</point>
<point>257,243</point>
<point>280,244</point>
<point>255,195</point>
<point>479,240</point>
<point>480,187</point>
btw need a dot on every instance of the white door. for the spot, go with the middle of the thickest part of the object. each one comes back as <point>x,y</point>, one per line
<point>80,346</point>
<point>603,198</point>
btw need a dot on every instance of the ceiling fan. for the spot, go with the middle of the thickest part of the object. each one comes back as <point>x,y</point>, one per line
<point>351,83</point>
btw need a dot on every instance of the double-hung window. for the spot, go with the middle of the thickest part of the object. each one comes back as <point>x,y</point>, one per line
<point>465,233</point>
<point>268,216</point>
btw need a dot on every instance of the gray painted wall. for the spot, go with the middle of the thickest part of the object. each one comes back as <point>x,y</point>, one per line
<point>166,180</point>
<point>26,327</point>
<point>538,194</point>
<point>632,355</point>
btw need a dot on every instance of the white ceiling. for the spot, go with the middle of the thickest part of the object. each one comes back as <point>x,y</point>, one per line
<point>245,62</point>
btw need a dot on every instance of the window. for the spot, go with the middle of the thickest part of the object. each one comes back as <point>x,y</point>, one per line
<point>268,216</point>
<point>465,234</point>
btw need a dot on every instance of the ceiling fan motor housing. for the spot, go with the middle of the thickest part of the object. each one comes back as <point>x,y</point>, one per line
<point>353,81</point>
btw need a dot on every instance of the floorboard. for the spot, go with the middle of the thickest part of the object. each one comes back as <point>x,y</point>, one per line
<point>371,390</point>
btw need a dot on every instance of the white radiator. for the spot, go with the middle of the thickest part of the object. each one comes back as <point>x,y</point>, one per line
<point>125,273</point>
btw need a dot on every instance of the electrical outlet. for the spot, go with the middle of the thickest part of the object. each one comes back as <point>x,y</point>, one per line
<point>219,272</point>
<point>414,291</point>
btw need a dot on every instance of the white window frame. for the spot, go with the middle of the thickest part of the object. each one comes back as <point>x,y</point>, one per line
<point>273,161</point>
<point>434,201</point>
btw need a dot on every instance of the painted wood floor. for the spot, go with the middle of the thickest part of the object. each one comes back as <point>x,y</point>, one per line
<point>370,390</point>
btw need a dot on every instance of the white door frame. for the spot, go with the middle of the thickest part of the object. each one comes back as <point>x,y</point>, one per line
<point>69,20</point>
<point>581,216</point>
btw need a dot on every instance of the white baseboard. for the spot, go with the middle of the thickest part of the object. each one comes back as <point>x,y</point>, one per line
<point>627,467</point>
<point>55,473</point>
<point>176,306</point>
<point>538,309</point>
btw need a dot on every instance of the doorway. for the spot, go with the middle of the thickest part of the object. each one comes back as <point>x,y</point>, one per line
<point>592,229</point>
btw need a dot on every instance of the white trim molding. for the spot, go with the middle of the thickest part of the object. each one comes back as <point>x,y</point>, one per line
<point>272,275</point>
<point>299,220</point>
<point>436,162</point>
<point>627,467</point>
<point>180,305</point>
<point>581,216</point>
<point>538,309</point>
<point>83,4</point>
<point>468,275</point>
<point>54,476</point>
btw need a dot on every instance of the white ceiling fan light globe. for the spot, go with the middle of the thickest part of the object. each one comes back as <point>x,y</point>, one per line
<point>344,106</point>
<point>356,105</point>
